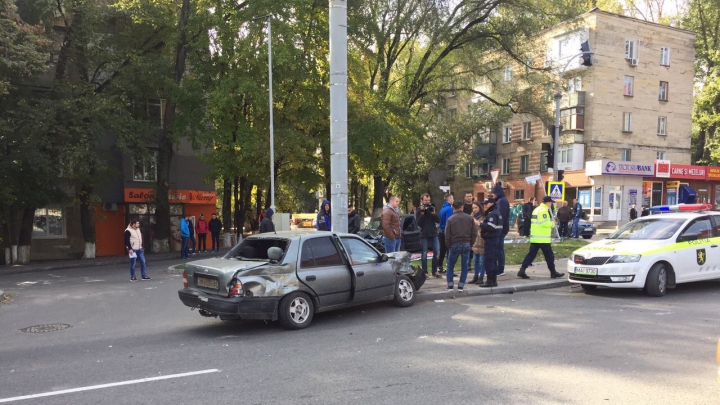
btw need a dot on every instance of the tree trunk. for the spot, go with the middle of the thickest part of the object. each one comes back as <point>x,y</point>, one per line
<point>87,221</point>
<point>258,208</point>
<point>237,220</point>
<point>161,243</point>
<point>25,239</point>
<point>245,198</point>
<point>378,194</point>
<point>227,212</point>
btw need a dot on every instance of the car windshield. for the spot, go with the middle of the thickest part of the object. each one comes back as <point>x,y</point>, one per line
<point>651,228</point>
<point>257,249</point>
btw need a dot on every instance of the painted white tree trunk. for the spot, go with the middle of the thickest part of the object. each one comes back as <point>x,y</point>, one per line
<point>8,256</point>
<point>160,246</point>
<point>227,239</point>
<point>14,254</point>
<point>23,254</point>
<point>89,251</point>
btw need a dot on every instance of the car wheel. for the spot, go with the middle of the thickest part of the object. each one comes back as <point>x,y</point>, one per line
<point>656,282</point>
<point>404,292</point>
<point>296,311</point>
<point>587,236</point>
<point>588,287</point>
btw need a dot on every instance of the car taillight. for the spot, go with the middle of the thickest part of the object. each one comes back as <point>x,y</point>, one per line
<point>185,283</point>
<point>236,289</point>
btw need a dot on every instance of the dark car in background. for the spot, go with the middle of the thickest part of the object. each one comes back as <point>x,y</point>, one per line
<point>289,276</point>
<point>587,229</point>
<point>410,234</point>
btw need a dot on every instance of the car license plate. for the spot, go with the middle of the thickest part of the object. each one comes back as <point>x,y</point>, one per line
<point>588,271</point>
<point>207,282</point>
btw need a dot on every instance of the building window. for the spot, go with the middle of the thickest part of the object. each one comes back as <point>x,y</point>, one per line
<point>627,122</point>
<point>549,131</point>
<point>568,118</point>
<point>145,168</point>
<point>505,166</point>
<point>631,49</point>
<point>544,162</point>
<point>156,111</point>
<point>469,170</point>
<point>493,137</point>
<point>565,154</point>
<point>663,91</point>
<point>450,172</point>
<point>629,86</point>
<point>525,164</point>
<point>49,223</point>
<point>507,135</point>
<point>662,126</point>
<point>665,56</point>
<point>519,194</point>
<point>527,131</point>
<point>508,73</point>
<point>625,155</point>
<point>661,155</point>
<point>573,84</point>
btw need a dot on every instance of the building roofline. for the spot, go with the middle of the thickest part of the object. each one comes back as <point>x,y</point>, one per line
<point>599,11</point>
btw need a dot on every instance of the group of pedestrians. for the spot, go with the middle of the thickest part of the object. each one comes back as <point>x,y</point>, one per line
<point>202,228</point>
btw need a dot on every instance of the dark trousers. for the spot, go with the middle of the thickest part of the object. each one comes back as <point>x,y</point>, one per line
<point>184,250</point>
<point>202,243</point>
<point>491,256</point>
<point>443,249</point>
<point>526,228</point>
<point>563,229</point>
<point>215,237</point>
<point>547,252</point>
<point>501,255</point>
<point>192,239</point>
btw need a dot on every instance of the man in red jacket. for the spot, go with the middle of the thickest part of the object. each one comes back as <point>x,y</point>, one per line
<point>201,227</point>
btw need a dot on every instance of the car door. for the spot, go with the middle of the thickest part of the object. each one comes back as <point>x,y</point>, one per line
<point>410,234</point>
<point>322,269</point>
<point>697,254</point>
<point>374,278</point>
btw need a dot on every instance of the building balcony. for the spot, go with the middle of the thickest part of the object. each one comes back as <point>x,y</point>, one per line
<point>573,99</point>
<point>485,151</point>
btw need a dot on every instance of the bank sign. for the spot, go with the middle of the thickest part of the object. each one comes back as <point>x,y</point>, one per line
<point>622,168</point>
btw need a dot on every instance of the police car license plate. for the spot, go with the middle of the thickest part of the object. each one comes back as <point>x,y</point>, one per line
<point>588,271</point>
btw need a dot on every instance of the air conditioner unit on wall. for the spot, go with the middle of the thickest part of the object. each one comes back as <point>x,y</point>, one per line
<point>110,206</point>
<point>633,62</point>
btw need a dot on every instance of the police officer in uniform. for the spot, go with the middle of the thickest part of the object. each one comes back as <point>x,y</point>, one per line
<point>542,224</point>
<point>491,229</point>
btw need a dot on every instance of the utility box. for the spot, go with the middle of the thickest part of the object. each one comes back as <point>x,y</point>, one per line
<point>281,221</point>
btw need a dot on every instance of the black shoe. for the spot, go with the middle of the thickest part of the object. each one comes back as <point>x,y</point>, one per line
<point>480,281</point>
<point>522,274</point>
<point>460,289</point>
<point>488,283</point>
<point>556,275</point>
<point>494,281</point>
<point>474,280</point>
<point>146,278</point>
<point>437,275</point>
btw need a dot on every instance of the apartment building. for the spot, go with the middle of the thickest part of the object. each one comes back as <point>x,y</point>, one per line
<point>632,107</point>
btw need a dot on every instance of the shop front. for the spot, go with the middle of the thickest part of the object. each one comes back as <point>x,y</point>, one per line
<point>139,205</point>
<point>674,184</point>
<point>616,185</point>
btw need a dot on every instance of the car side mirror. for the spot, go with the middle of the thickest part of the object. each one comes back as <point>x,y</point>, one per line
<point>384,258</point>
<point>274,254</point>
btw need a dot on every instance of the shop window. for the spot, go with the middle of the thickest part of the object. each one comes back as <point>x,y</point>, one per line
<point>49,223</point>
<point>145,168</point>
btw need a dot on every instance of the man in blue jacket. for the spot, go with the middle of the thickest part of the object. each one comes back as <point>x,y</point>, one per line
<point>577,214</point>
<point>323,217</point>
<point>185,236</point>
<point>445,213</point>
<point>503,206</point>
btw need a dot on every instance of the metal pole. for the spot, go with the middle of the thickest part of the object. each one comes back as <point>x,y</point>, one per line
<point>272,130</point>
<point>558,97</point>
<point>338,115</point>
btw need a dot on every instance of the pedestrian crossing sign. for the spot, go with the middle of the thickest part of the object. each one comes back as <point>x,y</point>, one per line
<point>556,190</point>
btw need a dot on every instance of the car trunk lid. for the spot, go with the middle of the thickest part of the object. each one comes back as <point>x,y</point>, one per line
<point>214,275</point>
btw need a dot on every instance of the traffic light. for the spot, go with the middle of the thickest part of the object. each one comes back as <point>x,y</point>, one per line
<point>586,56</point>
<point>561,175</point>
<point>551,157</point>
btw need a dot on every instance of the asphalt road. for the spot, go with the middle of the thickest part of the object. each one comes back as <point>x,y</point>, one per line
<point>548,347</point>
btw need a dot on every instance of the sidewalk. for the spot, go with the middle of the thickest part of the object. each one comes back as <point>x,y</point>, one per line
<point>99,261</point>
<point>435,288</point>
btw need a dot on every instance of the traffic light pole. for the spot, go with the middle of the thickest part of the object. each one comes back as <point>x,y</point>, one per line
<point>558,97</point>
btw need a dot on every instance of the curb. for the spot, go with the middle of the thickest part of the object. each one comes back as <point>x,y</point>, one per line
<point>440,295</point>
<point>69,266</point>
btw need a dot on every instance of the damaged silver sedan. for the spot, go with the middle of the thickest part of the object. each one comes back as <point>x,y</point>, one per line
<point>291,276</point>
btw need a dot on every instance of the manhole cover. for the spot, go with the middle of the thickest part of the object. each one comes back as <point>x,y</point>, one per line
<point>51,327</point>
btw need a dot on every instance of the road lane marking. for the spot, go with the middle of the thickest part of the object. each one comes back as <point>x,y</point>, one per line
<point>116,384</point>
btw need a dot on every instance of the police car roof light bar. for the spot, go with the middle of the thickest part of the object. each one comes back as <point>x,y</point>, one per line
<point>681,207</point>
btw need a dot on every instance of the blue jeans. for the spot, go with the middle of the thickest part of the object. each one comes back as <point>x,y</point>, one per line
<point>576,227</point>
<point>501,255</point>
<point>184,250</point>
<point>194,242</point>
<point>435,249</point>
<point>462,250</point>
<point>479,265</point>
<point>391,245</point>
<point>140,253</point>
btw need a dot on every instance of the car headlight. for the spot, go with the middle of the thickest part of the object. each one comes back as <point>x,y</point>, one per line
<point>625,259</point>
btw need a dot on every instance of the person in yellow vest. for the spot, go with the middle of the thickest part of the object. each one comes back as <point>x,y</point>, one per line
<point>541,226</point>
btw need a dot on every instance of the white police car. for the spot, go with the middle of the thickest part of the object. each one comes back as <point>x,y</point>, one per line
<point>654,252</point>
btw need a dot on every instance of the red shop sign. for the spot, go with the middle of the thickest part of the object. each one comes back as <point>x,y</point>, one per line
<point>687,172</point>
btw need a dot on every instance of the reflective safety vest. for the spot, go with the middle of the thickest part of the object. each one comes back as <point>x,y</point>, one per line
<point>541,225</point>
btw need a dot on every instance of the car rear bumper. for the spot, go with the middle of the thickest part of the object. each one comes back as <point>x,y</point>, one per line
<point>232,308</point>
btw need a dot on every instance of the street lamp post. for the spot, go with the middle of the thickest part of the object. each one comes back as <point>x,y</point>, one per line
<point>268,18</point>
